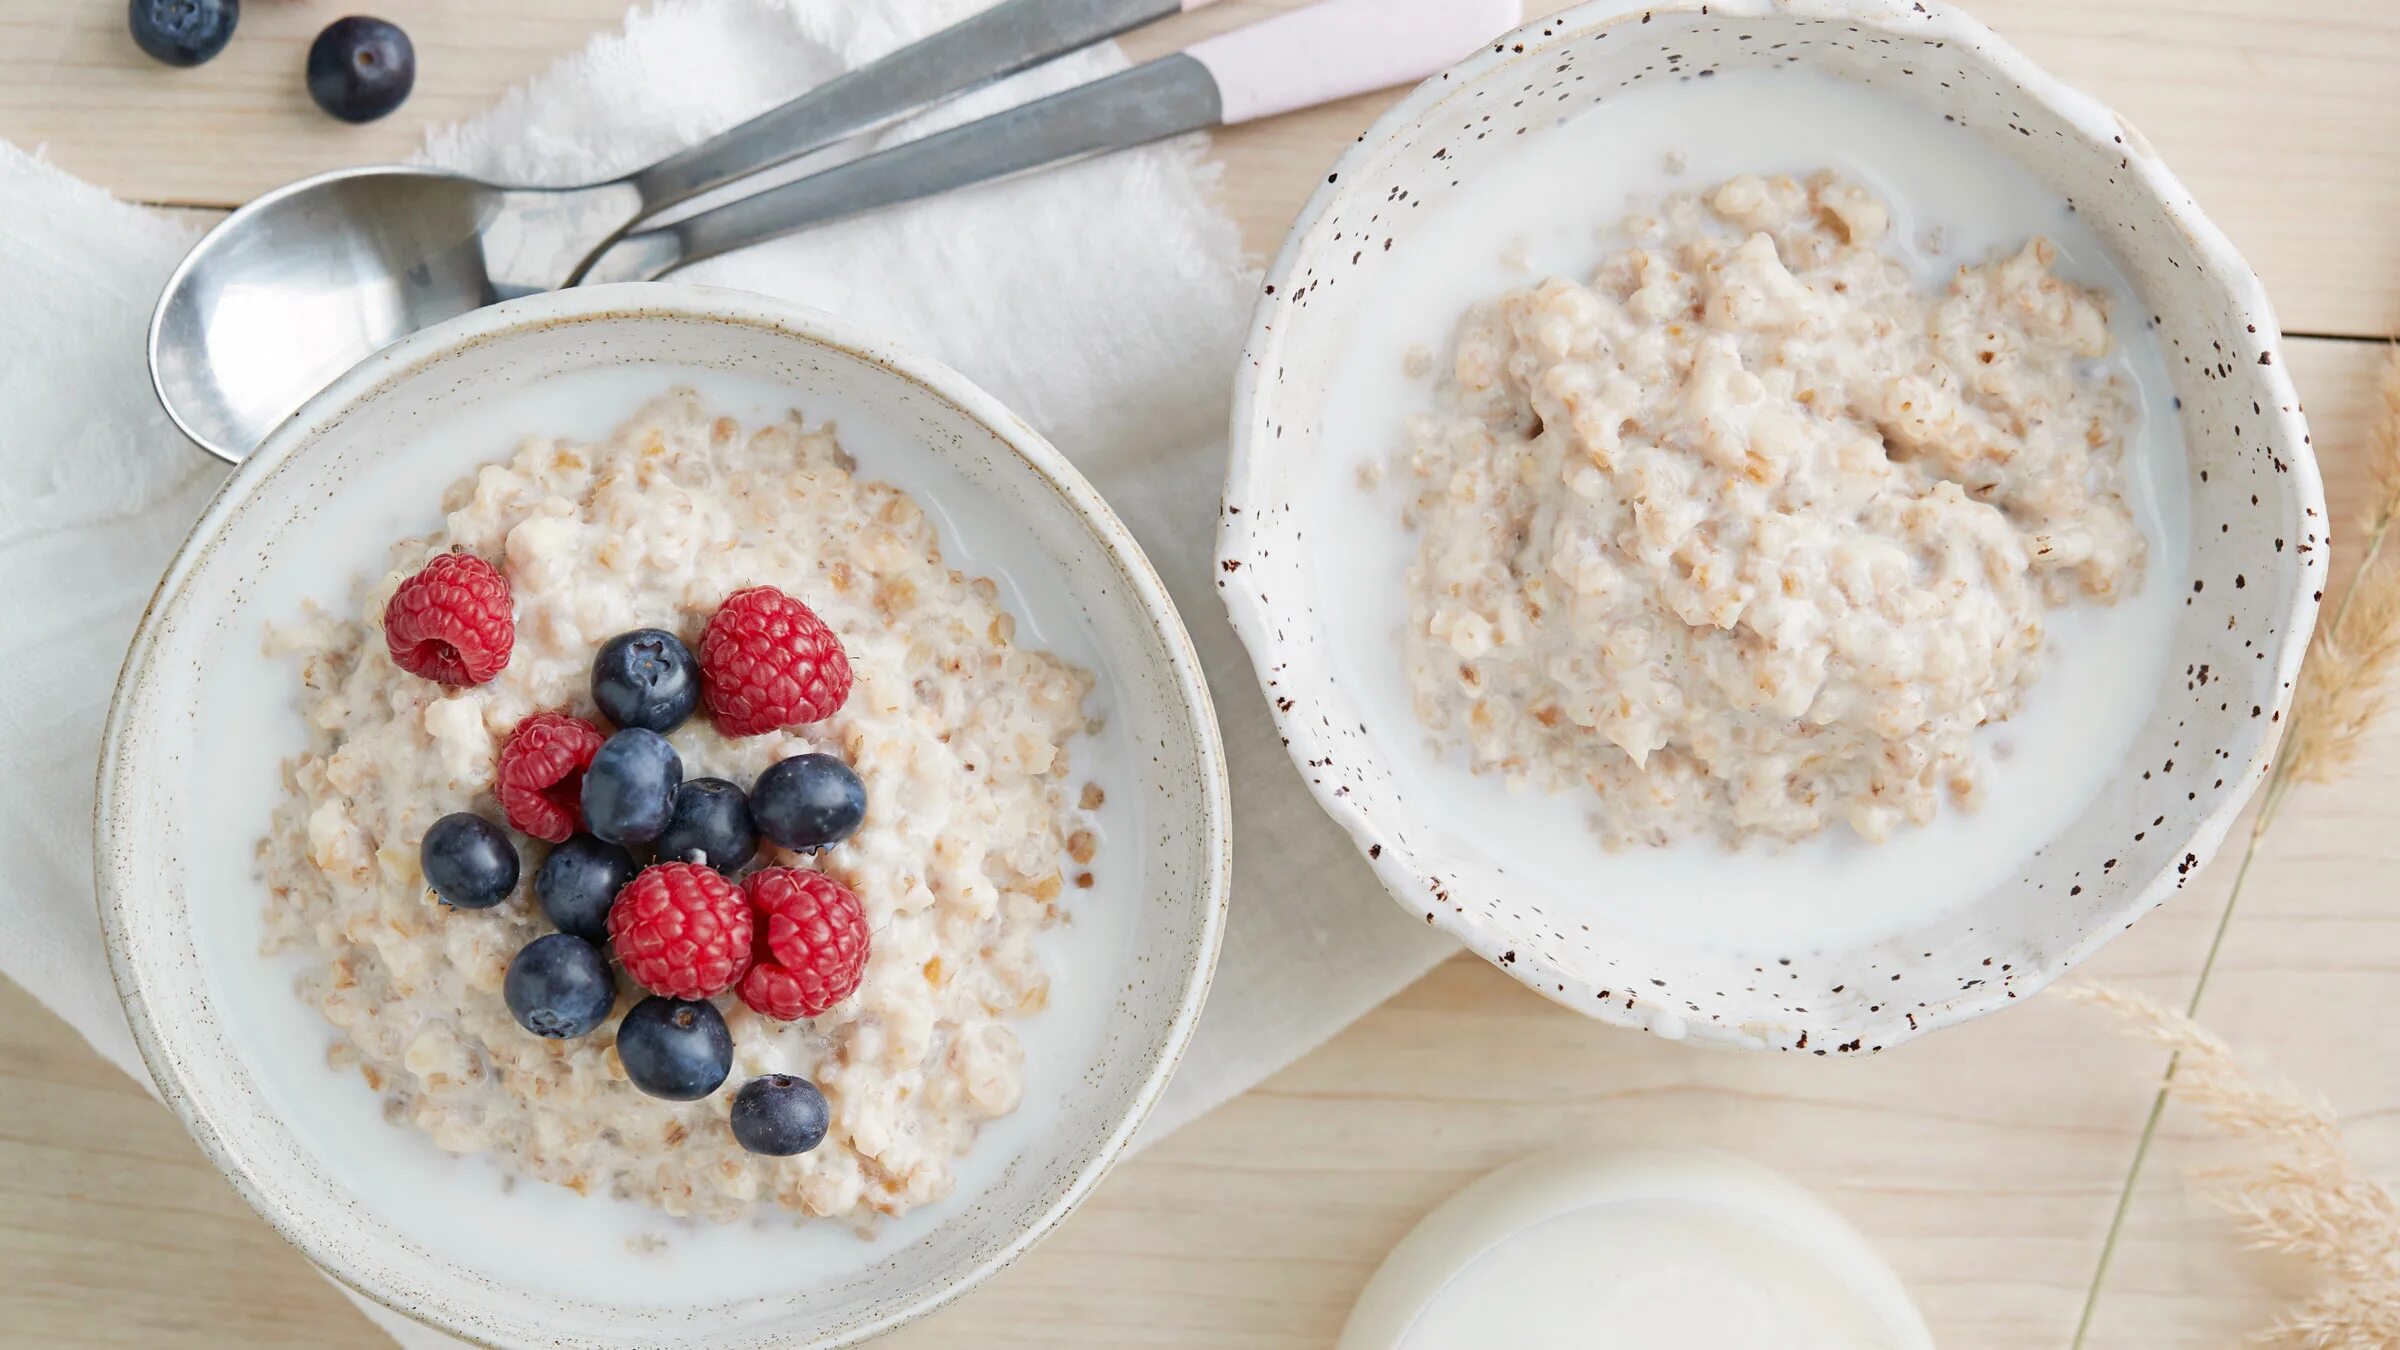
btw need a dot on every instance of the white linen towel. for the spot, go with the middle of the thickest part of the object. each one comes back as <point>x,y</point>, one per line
<point>1104,301</point>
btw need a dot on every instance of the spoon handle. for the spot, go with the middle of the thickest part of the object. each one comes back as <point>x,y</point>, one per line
<point>1000,41</point>
<point>1330,50</point>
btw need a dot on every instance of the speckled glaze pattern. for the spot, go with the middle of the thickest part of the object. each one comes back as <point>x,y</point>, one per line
<point>2258,527</point>
<point>211,608</point>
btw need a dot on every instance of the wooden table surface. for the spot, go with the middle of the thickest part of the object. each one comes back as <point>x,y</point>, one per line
<point>1983,1161</point>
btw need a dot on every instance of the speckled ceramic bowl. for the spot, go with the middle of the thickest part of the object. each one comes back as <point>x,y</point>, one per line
<point>203,719</point>
<point>2257,531</point>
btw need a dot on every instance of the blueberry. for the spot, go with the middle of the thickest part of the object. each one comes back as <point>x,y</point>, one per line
<point>361,68</point>
<point>808,801</point>
<point>183,32</point>
<point>558,986</point>
<point>629,790</point>
<point>579,881</point>
<point>675,1049</point>
<point>711,825</point>
<point>780,1115</point>
<point>646,678</point>
<point>468,861</point>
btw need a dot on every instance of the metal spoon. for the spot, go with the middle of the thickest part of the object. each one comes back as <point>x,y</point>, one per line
<point>306,281</point>
<point>303,283</point>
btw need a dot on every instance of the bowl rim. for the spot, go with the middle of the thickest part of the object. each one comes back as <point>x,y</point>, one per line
<point>116,897</point>
<point>1388,854</point>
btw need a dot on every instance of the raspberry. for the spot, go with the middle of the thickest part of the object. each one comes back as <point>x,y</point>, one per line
<point>767,661</point>
<point>540,780</point>
<point>452,621</point>
<point>812,943</point>
<point>682,930</point>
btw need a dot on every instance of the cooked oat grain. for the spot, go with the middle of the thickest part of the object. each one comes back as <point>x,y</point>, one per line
<point>1749,534</point>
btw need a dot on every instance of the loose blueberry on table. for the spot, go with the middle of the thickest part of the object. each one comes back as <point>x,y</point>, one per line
<point>183,32</point>
<point>468,861</point>
<point>779,1115</point>
<point>579,881</point>
<point>675,1048</point>
<point>559,986</point>
<point>361,68</point>
<point>711,824</point>
<point>629,789</point>
<point>646,678</point>
<point>808,801</point>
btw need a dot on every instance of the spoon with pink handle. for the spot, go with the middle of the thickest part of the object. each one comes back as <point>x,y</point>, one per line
<point>310,279</point>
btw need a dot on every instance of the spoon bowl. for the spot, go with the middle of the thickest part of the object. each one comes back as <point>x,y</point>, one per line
<point>309,280</point>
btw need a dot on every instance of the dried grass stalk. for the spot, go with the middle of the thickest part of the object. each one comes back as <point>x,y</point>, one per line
<point>2296,1190</point>
<point>2383,442</point>
<point>2345,684</point>
<point>2301,1194</point>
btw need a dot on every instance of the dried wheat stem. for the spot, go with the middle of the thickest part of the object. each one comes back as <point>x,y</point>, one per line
<point>2299,1192</point>
<point>2343,690</point>
<point>2158,1100</point>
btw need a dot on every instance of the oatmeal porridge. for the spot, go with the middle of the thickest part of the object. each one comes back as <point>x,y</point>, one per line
<point>1749,533</point>
<point>955,737</point>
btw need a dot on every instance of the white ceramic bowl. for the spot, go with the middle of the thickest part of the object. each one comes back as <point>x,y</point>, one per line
<point>2257,530</point>
<point>202,720</point>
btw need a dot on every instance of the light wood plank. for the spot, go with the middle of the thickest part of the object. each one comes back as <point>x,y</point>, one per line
<point>215,135</point>
<point>115,1231</point>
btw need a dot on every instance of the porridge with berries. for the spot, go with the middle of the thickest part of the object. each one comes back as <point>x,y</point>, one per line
<point>1748,533</point>
<point>676,825</point>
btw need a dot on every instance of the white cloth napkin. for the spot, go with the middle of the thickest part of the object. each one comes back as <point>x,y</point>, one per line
<point>1104,301</point>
